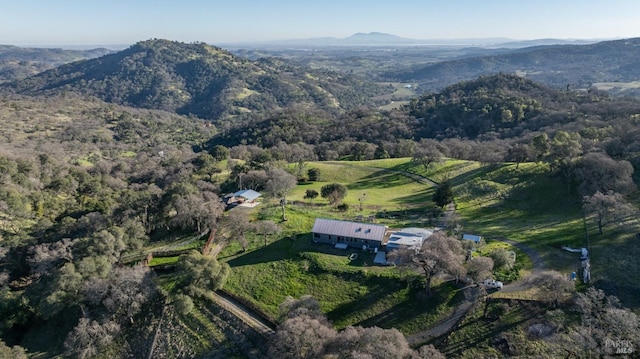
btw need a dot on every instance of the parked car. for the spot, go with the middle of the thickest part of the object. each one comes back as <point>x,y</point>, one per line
<point>492,283</point>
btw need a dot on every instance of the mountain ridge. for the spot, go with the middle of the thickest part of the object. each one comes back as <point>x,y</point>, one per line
<point>557,65</point>
<point>201,80</point>
<point>376,38</point>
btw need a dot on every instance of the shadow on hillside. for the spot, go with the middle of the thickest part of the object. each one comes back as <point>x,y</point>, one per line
<point>284,248</point>
<point>292,247</point>
<point>489,328</point>
<point>381,179</point>
<point>413,305</point>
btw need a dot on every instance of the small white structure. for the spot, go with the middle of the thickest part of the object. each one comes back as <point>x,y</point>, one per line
<point>247,195</point>
<point>471,237</point>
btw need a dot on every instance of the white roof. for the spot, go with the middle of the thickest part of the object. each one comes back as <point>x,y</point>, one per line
<point>423,232</point>
<point>349,229</point>
<point>471,237</point>
<point>407,240</point>
<point>249,194</point>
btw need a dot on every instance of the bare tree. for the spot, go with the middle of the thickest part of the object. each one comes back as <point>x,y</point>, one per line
<point>429,352</point>
<point>607,208</point>
<point>427,153</point>
<point>89,337</point>
<point>598,172</point>
<point>438,255</point>
<point>236,225</point>
<point>602,320</point>
<point>45,257</point>
<point>520,152</point>
<point>374,343</point>
<point>502,258</point>
<point>554,285</point>
<point>267,228</point>
<point>306,333</point>
<point>197,211</point>
<point>255,180</point>
<point>305,306</point>
<point>130,288</point>
<point>479,268</point>
<point>301,337</point>
<point>279,184</point>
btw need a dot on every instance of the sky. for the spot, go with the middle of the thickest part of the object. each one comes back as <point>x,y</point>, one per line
<point>101,22</point>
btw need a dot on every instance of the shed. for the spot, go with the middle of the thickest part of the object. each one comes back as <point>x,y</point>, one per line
<point>247,195</point>
<point>471,237</point>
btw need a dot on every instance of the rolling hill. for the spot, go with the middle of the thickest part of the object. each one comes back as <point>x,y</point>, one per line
<point>201,80</point>
<point>17,63</point>
<point>580,66</point>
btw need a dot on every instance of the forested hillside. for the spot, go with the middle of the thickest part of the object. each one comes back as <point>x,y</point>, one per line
<point>84,186</point>
<point>201,80</point>
<point>498,111</point>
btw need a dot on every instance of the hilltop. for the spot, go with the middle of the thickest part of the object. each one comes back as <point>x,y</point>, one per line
<point>201,80</point>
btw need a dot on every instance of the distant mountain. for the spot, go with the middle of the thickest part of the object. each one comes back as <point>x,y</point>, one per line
<point>18,62</point>
<point>544,42</point>
<point>580,66</point>
<point>376,38</point>
<point>379,39</point>
<point>200,80</point>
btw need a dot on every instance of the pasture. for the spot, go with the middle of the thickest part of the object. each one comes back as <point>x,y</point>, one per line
<point>525,204</point>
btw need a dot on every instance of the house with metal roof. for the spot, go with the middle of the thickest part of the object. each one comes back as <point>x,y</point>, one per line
<point>245,198</point>
<point>344,234</point>
<point>247,195</point>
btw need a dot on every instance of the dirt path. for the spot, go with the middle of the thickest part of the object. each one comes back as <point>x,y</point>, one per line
<point>448,324</point>
<point>538,266</point>
<point>245,314</point>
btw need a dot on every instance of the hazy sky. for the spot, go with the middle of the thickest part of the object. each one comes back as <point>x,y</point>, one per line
<point>87,22</point>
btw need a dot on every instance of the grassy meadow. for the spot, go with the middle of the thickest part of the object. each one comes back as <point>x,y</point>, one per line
<point>525,204</point>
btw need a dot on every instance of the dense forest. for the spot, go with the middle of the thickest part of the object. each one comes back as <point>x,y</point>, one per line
<point>102,157</point>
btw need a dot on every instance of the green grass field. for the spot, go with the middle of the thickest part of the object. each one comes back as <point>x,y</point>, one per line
<point>525,204</point>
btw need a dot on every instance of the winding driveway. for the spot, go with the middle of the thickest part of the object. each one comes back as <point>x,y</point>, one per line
<point>538,266</point>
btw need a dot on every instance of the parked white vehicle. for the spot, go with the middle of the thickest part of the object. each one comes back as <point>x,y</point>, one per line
<point>492,283</point>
